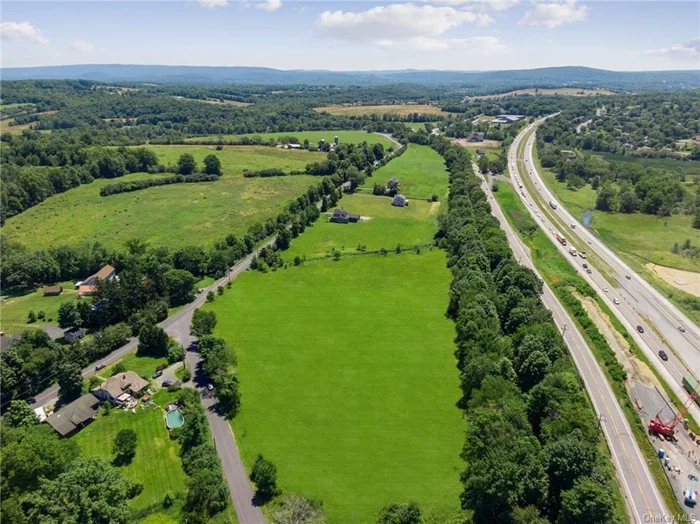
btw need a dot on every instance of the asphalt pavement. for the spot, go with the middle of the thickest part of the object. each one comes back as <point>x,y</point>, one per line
<point>642,496</point>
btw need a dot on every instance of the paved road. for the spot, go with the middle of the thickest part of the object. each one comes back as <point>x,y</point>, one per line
<point>639,303</point>
<point>644,501</point>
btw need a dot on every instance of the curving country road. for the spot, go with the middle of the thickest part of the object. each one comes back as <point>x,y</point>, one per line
<point>632,300</point>
<point>642,496</point>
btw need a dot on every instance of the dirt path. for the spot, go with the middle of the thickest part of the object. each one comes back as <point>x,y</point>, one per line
<point>687,281</point>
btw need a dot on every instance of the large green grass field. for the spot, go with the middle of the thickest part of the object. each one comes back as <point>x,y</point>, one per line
<point>314,137</point>
<point>173,215</point>
<point>14,309</point>
<point>352,394</point>
<point>420,170</point>
<point>157,462</point>
<point>671,165</point>
<point>385,227</point>
<point>645,237</point>
<point>234,159</point>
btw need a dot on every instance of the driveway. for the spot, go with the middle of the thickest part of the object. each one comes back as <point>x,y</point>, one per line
<point>169,374</point>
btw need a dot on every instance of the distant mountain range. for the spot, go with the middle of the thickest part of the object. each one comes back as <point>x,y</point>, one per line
<point>550,76</point>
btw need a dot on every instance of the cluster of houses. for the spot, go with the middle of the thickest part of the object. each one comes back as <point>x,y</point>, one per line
<point>342,216</point>
<point>123,389</point>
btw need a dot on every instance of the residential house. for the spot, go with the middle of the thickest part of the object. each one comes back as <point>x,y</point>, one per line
<point>476,137</point>
<point>89,285</point>
<point>73,334</point>
<point>71,417</point>
<point>52,291</point>
<point>393,183</point>
<point>121,388</point>
<point>341,216</point>
<point>399,201</point>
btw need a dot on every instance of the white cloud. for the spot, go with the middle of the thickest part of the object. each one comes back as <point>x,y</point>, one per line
<point>689,50</point>
<point>267,5</point>
<point>552,14</point>
<point>212,3</point>
<point>22,31</point>
<point>82,45</point>
<point>492,5</point>
<point>480,44</point>
<point>398,25</point>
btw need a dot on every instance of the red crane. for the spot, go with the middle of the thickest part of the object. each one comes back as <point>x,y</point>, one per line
<point>659,427</point>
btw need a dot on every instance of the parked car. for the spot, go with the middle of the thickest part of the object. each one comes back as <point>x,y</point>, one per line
<point>640,329</point>
<point>210,386</point>
<point>167,383</point>
<point>663,355</point>
<point>99,367</point>
<point>681,329</point>
<point>158,373</point>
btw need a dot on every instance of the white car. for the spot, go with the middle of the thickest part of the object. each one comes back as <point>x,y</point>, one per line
<point>616,301</point>
<point>605,290</point>
<point>681,329</point>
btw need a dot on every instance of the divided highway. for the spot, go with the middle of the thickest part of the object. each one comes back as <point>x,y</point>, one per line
<point>636,304</point>
<point>643,498</point>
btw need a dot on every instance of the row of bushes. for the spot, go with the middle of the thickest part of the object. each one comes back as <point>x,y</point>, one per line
<point>264,173</point>
<point>137,185</point>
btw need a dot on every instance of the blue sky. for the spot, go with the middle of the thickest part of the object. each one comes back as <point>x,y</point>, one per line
<point>360,35</point>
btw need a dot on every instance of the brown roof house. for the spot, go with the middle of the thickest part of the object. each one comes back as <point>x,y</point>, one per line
<point>89,285</point>
<point>71,417</point>
<point>52,291</point>
<point>122,388</point>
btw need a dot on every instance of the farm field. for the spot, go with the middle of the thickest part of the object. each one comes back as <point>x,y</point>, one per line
<point>420,170</point>
<point>646,237</point>
<point>234,159</point>
<point>351,137</point>
<point>565,91</point>
<point>399,109</point>
<point>157,462</point>
<point>387,226</point>
<point>362,413</point>
<point>173,215</point>
<point>14,309</point>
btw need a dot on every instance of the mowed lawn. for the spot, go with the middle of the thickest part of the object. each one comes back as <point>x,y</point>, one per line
<point>353,393</point>
<point>420,170</point>
<point>648,237</point>
<point>385,227</point>
<point>173,215</point>
<point>14,309</point>
<point>399,109</point>
<point>157,462</point>
<point>234,159</point>
<point>314,137</point>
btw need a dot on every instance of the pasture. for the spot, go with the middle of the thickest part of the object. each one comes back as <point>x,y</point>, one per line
<point>385,227</point>
<point>14,309</point>
<point>157,462</point>
<point>314,137</point>
<point>420,171</point>
<point>173,215</point>
<point>398,109</point>
<point>353,394</point>
<point>563,91</point>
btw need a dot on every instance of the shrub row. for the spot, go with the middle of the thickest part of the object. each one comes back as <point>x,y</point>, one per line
<point>137,185</point>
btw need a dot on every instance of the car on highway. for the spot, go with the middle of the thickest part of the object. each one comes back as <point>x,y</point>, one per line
<point>681,329</point>
<point>605,290</point>
<point>585,266</point>
<point>663,355</point>
<point>628,277</point>
<point>589,271</point>
<point>158,373</point>
<point>583,254</point>
<point>573,226</point>
<point>99,367</point>
<point>616,301</point>
<point>167,383</point>
<point>640,329</point>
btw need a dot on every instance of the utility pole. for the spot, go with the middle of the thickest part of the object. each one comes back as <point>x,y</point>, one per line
<point>600,423</point>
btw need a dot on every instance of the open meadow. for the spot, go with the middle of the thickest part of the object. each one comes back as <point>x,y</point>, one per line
<point>314,137</point>
<point>14,309</point>
<point>398,109</point>
<point>353,394</point>
<point>172,215</point>
<point>563,91</point>
<point>420,171</point>
<point>384,226</point>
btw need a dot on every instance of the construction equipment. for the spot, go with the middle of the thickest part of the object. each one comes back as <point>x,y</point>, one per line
<point>659,427</point>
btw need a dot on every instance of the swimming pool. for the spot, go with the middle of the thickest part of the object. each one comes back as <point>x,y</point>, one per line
<point>174,419</point>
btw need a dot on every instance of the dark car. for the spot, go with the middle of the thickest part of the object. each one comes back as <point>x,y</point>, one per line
<point>589,271</point>
<point>663,355</point>
<point>640,329</point>
<point>158,373</point>
<point>585,266</point>
<point>167,383</point>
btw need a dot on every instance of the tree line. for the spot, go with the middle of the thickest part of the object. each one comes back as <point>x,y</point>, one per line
<point>531,452</point>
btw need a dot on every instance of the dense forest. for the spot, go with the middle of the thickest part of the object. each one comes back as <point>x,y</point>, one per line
<point>531,432</point>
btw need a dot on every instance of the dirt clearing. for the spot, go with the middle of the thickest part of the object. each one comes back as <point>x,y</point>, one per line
<point>687,281</point>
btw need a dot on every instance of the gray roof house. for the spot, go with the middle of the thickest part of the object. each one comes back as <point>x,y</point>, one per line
<point>393,182</point>
<point>121,387</point>
<point>341,216</point>
<point>73,334</point>
<point>71,417</point>
<point>399,201</point>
